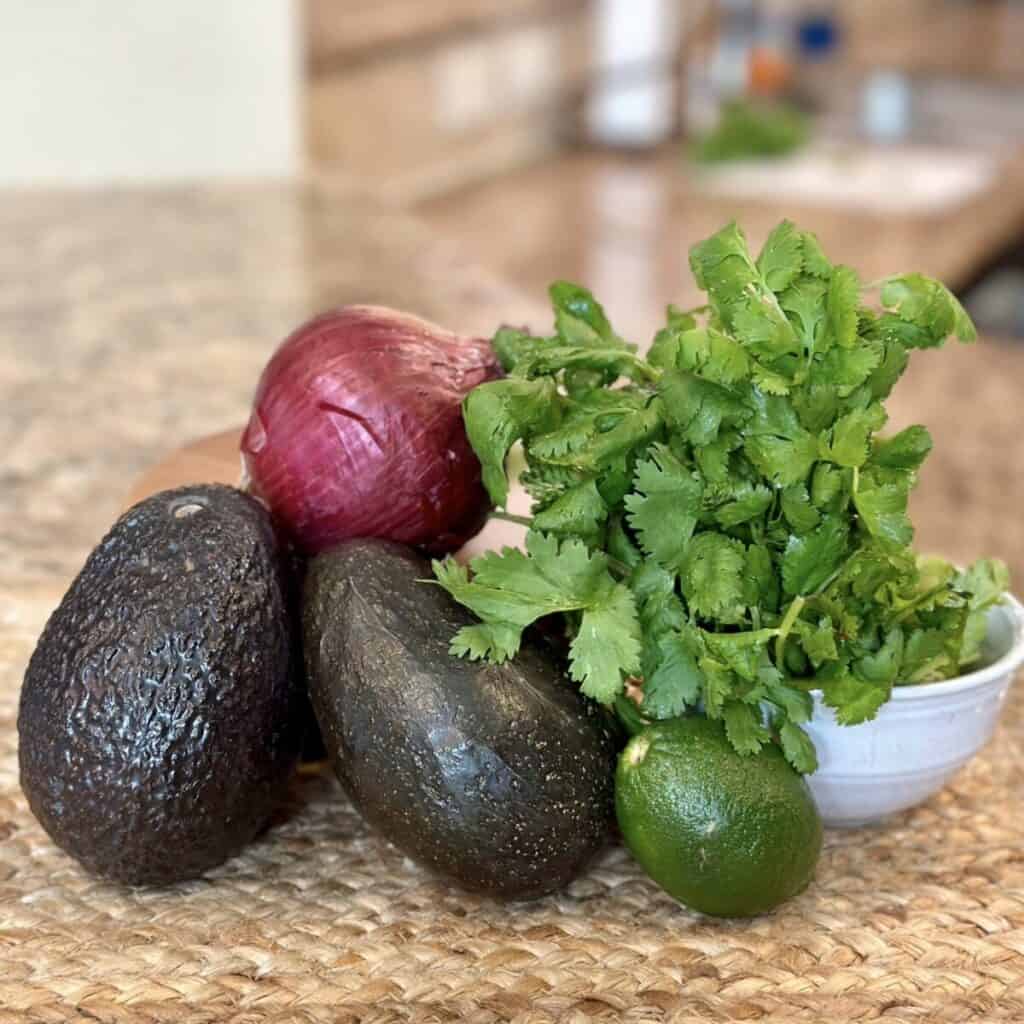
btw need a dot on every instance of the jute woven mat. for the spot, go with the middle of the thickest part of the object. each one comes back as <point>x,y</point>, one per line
<point>319,921</point>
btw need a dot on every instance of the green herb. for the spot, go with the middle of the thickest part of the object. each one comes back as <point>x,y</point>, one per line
<point>746,130</point>
<point>721,522</point>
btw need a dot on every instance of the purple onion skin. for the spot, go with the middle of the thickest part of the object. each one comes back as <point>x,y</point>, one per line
<point>356,431</point>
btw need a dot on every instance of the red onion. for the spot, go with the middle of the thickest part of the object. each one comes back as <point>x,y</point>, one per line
<point>356,431</point>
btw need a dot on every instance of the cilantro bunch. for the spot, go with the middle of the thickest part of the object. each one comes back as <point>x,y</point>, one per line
<point>719,522</point>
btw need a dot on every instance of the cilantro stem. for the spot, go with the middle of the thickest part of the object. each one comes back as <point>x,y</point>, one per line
<point>856,478</point>
<point>619,568</point>
<point>828,583</point>
<point>509,517</point>
<point>792,612</point>
<point>641,367</point>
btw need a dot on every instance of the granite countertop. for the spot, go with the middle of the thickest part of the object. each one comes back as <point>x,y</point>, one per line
<point>133,321</point>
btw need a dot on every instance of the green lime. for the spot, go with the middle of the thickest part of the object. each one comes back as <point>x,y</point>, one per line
<point>726,834</point>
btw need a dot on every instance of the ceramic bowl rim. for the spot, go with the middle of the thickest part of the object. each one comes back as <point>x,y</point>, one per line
<point>1003,666</point>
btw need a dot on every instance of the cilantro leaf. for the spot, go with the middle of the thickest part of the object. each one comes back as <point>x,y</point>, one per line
<point>930,307</point>
<point>513,346</point>
<point>742,652</point>
<point>606,646</point>
<point>579,317</point>
<point>882,667</point>
<point>744,728</point>
<point>804,300</point>
<point>580,511</point>
<point>762,583</point>
<point>782,257</point>
<point>841,306</point>
<point>797,747</point>
<point>713,355</point>
<point>826,486</point>
<point>846,444</point>
<point>501,412</point>
<point>892,362</point>
<point>801,515</point>
<point>518,587</point>
<point>675,682</point>
<point>985,583</point>
<point>882,508</point>
<point>853,700</point>
<point>783,460</point>
<point>739,294</point>
<point>711,572</point>
<point>818,640</point>
<point>607,363</point>
<point>654,590</point>
<point>665,507</point>
<point>630,432</point>
<point>815,262</point>
<point>817,404</point>
<point>905,450</point>
<point>696,408</point>
<point>749,502</point>
<point>719,683</point>
<point>843,370</point>
<point>777,444</point>
<point>493,641</point>
<point>809,560</point>
<point>796,705</point>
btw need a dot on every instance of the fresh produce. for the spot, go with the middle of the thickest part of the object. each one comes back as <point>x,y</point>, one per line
<point>356,431</point>
<point>160,716</point>
<point>720,519</point>
<point>724,834</point>
<point>749,130</point>
<point>718,529</point>
<point>500,778</point>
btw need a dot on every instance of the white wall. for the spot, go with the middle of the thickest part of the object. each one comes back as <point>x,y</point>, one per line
<point>98,91</point>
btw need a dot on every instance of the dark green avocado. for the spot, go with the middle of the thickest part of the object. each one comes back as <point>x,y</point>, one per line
<point>498,777</point>
<point>160,717</point>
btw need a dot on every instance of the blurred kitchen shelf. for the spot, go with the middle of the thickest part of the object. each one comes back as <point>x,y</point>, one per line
<point>944,37</point>
<point>342,34</point>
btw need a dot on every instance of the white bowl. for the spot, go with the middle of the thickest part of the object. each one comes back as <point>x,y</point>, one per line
<point>920,739</point>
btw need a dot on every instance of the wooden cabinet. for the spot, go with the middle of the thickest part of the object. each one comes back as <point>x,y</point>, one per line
<point>420,96</point>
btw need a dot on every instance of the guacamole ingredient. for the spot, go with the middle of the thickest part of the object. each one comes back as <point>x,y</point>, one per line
<point>356,431</point>
<point>721,518</point>
<point>159,719</point>
<point>498,777</point>
<point>721,834</point>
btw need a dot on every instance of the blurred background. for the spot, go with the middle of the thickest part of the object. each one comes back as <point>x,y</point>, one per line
<point>593,140</point>
<point>589,139</point>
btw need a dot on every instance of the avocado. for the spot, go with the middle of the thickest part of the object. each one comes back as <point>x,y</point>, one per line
<point>498,777</point>
<point>160,716</point>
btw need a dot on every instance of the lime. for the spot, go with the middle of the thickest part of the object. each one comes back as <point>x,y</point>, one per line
<point>726,834</point>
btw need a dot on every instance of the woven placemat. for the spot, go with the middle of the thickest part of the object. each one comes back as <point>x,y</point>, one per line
<point>320,921</point>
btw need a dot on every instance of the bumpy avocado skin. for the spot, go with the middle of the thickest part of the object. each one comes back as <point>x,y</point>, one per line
<point>160,716</point>
<point>499,777</point>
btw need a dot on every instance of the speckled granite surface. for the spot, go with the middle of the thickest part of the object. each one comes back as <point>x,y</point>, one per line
<point>133,321</point>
